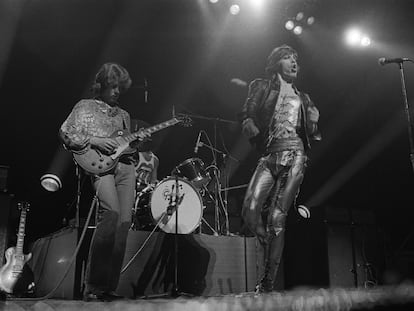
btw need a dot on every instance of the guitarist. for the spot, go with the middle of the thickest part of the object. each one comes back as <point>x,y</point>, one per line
<point>90,125</point>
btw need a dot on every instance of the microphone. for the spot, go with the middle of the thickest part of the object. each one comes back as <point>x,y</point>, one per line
<point>197,142</point>
<point>383,61</point>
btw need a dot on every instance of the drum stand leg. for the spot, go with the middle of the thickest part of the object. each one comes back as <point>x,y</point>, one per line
<point>174,206</point>
<point>208,225</point>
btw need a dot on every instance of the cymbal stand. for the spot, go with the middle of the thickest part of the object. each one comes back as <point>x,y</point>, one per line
<point>215,151</point>
<point>218,198</point>
<point>76,202</point>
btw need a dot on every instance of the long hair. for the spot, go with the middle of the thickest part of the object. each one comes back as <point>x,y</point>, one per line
<point>272,64</point>
<point>111,74</point>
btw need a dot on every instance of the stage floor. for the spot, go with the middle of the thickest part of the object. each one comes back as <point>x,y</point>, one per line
<point>399,297</point>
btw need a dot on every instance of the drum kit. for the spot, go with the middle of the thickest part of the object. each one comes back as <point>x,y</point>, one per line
<point>186,189</point>
<point>186,193</point>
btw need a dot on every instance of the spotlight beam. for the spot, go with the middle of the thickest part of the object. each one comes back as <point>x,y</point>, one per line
<point>383,138</point>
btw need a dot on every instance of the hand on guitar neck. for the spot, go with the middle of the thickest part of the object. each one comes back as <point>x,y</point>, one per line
<point>108,145</point>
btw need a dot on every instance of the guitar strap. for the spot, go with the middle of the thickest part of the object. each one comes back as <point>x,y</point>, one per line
<point>124,122</point>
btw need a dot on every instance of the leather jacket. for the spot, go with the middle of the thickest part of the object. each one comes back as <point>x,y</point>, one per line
<point>261,112</point>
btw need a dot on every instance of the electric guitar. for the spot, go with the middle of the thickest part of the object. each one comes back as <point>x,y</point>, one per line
<point>15,276</point>
<point>95,162</point>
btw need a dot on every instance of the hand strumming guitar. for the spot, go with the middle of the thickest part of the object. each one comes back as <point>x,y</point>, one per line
<point>108,145</point>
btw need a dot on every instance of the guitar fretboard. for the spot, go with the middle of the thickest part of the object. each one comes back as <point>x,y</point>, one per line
<point>22,225</point>
<point>152,129</point>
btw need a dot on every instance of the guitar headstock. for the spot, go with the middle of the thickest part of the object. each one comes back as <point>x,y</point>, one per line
<point>23,206</point>
<point>184,120</point>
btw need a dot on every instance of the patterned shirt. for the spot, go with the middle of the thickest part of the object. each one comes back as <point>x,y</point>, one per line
<point>92,117</point>
<point>285,121</point>
<point>144,168</point>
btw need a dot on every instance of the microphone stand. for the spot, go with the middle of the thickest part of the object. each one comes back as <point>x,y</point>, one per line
<point>175,292</point>
<point>408,113</point>
<point>78,196</point>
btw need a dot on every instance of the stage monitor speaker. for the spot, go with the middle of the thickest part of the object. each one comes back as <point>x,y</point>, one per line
<point>51,257</point>
<point>336,247</point>
<point>207,265</point>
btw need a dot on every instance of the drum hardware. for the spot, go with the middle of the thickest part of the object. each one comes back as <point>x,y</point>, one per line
<point>220,204</point>
<point>234,187</point>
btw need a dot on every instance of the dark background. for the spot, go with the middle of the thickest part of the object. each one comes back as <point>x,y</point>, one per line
<point>189,51</point>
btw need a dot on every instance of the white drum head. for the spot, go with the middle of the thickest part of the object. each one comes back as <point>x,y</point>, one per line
<point>164,206</point>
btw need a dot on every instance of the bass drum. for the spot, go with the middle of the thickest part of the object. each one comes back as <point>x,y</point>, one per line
<point>172,195</point>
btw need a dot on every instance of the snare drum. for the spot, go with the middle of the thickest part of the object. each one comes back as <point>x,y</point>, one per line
<point>193,170</point>
<point>166,200</point>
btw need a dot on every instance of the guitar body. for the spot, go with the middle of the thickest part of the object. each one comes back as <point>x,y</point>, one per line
<point>15,276</point>
<point>96,163</point>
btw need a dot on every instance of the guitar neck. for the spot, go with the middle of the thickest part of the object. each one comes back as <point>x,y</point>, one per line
<point>152,129</point>
<point>21,232</point>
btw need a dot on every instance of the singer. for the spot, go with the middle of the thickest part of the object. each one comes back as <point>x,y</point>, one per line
<point>280,121</point>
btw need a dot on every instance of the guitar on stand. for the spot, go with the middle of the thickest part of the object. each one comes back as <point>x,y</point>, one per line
<point>15,276</point>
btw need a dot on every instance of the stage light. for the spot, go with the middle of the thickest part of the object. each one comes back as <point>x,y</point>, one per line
<point>297,30</point>
<point>303,211</point>
<point>257,3</point>
<point>289,25</point>
<point>357,38</point>
<point>310,20</point>
<point>234,9</point>
<point>214,1</point>
<point>365,41</point>
<point>353,37</point>
<point>300,16</point>
<point>51,182</point>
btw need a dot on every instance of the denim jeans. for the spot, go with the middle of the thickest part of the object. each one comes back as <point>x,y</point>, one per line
<point>271,191</point>
<point>115,194</point>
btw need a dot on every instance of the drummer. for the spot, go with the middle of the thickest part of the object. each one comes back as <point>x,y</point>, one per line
<point>146,162</point>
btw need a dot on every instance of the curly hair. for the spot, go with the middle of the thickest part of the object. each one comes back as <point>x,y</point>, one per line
<point>272,64</point>
<point>111,74</point>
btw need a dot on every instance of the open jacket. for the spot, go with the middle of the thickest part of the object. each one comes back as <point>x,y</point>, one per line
<point>256,108</point>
